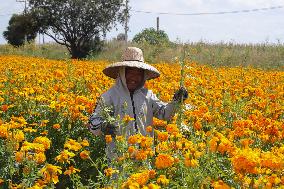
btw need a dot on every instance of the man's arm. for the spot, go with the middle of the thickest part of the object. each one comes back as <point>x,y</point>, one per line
<point>164,110</point>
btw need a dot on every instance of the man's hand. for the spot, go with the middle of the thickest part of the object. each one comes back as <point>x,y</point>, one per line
<point>180,94</point>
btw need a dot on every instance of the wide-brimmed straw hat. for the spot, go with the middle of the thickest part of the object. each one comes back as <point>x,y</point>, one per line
<point>132,57</point>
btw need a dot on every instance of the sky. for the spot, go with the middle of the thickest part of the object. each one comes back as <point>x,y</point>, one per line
<point>266,26</point>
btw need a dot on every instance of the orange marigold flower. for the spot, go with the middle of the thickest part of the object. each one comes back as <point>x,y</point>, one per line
<point>162,136</point>
<point>56,126</point>
<point>133,139</point>
<point>19,156</point>
<point>131,149</point>
<point>108,139</point>
<point>152,173</point>
<point>149,129</point>
<point>71,170</point>
<point>85,154</point>
<point>164,161</point>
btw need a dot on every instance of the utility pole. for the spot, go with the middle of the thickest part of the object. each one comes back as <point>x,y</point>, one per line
<point>126,21</point>
<point>23,1</point>
<point>158,23</point>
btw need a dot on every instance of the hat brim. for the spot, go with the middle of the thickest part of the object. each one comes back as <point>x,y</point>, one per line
<point>113,69</point>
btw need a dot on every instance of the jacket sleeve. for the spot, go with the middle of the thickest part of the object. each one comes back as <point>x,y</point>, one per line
<point>162,110</point>
<point>96,120</point>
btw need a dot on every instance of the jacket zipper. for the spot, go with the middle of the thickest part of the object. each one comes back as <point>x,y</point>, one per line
<point>133,109</point>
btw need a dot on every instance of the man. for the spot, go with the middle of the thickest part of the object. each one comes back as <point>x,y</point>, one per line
<point>129,97</point>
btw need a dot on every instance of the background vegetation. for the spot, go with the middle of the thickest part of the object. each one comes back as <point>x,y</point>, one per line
<point>264,56</point>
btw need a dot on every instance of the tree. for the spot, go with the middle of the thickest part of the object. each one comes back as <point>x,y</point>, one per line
<point>151,36</point>
<point>21,27</point>
<point>75,23</point>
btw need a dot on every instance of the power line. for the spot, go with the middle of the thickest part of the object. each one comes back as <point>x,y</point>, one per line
<point>211,13</point>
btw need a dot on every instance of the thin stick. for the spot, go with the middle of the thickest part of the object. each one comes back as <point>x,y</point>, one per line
<point>180,104</point>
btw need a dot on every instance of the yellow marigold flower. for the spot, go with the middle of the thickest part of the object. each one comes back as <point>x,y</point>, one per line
<point>50,173</point>
<point>40,158</point>
<point>153,186</point>
<point>189,162</point>
<point>146,142</point>
<point>19,135</point>
<point>56,126</point>
<point>220,185</point>
<point>110,171</point>
<point>108,139</point>
<point>72,145</point>
<point>126,119</point>
<point>119,138</point>
<point>149,129</point>
<point>85,143</point>
<point>64,156</point>
<point>43,140</point>
<point>71,170</point>
<point>29,130</point>
<point>246,161</point>
<point>140,178</point>
<point>164,161</point>
<point>213,144</point>
<point>172,128</point>
<point>3,131</point>
<point>162,180</point>
<point>162,136</point>
<point>85,154</point>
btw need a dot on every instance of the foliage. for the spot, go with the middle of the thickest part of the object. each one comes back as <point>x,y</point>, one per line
<point>262,56</point>
<point>152,37</point>
<point>232,129</point>
<point>21,28</point>
<point>74,23</point>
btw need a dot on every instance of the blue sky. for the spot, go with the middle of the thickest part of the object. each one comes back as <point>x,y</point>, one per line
<point>253,27</point>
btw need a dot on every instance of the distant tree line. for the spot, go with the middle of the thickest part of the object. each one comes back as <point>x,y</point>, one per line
<point>77,24</point>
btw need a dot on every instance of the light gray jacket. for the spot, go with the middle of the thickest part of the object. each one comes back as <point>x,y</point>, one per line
<point>145,102</point>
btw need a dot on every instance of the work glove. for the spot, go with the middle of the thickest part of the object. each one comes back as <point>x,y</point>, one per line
<point>180,94</point>
<point>109,129</point>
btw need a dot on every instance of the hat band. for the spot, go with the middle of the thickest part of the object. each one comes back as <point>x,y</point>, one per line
<point>133,60</point>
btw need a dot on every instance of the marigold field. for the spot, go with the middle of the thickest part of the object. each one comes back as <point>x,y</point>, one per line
<point>228,134</point>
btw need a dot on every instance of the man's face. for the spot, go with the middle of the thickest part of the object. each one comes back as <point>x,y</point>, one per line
<point>134,78</point>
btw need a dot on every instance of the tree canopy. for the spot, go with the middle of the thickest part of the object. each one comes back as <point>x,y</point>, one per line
<point>151,36</point>
<point>75,23</point>
<point>21,28</point>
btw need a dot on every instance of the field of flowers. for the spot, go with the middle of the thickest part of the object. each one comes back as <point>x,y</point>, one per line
<point>232,138</point>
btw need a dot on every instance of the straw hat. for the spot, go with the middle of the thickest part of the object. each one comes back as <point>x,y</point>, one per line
<point>132,57</point>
